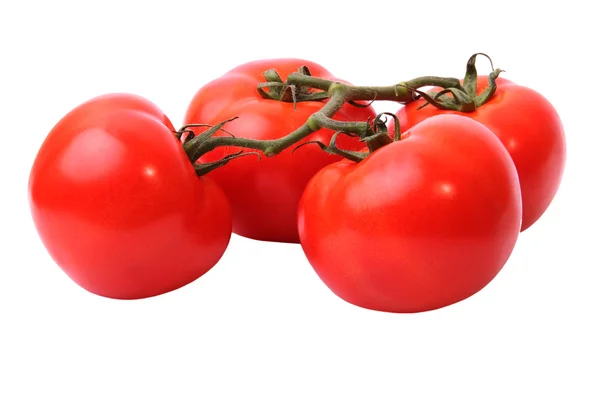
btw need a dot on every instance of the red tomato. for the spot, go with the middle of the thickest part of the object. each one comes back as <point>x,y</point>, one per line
<point>530,129</point>
<point>420,224</point>
<point>264,194</point>
<point>118,205</point>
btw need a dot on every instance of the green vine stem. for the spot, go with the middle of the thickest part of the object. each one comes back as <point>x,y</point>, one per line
<point>338,93</point>
<point>301,86</point>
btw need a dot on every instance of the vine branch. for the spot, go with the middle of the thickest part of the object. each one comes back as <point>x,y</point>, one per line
<point>301,86</point>
<point>339,93</point>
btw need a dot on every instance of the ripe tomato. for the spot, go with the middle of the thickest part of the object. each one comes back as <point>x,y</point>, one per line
<point>419,224</point>
<point>264,194</point>
<point>530,129</point>
<point>118,205</point>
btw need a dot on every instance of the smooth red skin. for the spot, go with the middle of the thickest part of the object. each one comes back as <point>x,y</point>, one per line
<point>530,129</point>
<point>118,205</point>
<point>420,224</point>
<point>110,102</point>
<point>264,194</point>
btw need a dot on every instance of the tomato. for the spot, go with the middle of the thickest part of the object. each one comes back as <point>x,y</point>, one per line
<point>118,205</point>
<point>420,224</point>
<point>264,194</point>
<point>530,129</point>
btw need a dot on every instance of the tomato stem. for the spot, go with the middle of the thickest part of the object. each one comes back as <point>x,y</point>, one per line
<point>464,98</point>
<point>302,86</point>
<point>338,93</point>
<point>288,92</point>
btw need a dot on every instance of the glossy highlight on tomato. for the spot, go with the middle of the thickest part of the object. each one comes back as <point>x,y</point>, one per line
<point>420,224</point>
<point>118,205</point>
<point>530,129</point>
<point>264,194</point>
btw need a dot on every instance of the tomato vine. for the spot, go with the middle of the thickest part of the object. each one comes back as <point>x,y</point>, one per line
<point>302,86</point>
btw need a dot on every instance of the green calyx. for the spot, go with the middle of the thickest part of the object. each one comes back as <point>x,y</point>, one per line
<point>276,89</point>
<point>375,136</point>
<point>463,98</point>
<point>195,146</point>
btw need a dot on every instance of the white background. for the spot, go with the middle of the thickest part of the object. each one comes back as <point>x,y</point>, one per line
<point>261,324</point>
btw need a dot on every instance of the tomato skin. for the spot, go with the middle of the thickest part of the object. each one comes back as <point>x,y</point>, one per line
<point>118,205</point>
<point>110,102</point>
<point>530,129</point>
<point>264,194</point>
<point>418,225</point>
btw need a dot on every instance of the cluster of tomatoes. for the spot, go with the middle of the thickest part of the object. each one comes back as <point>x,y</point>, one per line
<point>420,223</point>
